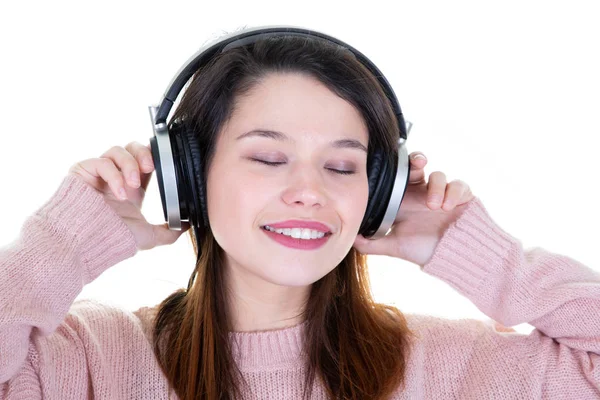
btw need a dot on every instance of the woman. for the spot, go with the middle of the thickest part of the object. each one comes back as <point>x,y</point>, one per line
<point>286,128</point>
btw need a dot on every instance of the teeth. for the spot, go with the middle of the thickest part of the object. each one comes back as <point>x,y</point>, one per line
<point>298,233</point>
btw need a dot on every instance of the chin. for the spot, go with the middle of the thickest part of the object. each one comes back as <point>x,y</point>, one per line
<point>293,275</point>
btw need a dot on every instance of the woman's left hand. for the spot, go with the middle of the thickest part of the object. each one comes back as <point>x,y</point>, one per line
<point>420,223</point>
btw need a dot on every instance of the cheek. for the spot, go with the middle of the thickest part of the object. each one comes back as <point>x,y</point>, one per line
<point>234,202</point>
<point>355,204</point>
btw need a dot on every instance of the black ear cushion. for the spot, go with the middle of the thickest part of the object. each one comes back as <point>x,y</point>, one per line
<point>179,159</point>
<point>196,177</point>
<point>378,177</point>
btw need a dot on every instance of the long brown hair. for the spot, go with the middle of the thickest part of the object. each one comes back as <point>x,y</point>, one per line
<point>357,348</point>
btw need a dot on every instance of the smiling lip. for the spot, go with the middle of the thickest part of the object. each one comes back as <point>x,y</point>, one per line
<point>317,226</point>
<point>294,243</point>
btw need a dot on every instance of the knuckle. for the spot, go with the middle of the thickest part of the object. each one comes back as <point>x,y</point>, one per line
<point>133,154</point>
<point>456,184</point>
<point>129,161</point>
<point>437,176</point>
<point>105,162</point>
<point>112,150</point>
<point>461,184</point>
<point>108,167</point>
<point>468,191</point>
<point>133,147</point>
<point>78,166</point>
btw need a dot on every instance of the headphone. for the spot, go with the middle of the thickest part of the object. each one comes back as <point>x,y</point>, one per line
<point>178,164</point>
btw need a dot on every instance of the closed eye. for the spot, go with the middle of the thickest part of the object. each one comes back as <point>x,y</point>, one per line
<point>268,162</point>
<point>276,163</point>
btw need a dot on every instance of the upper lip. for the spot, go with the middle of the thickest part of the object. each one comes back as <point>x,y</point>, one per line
<point>298,223</point>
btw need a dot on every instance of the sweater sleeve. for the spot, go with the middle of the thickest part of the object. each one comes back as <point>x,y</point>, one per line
<point>64,245</point>
<point>556,294</point>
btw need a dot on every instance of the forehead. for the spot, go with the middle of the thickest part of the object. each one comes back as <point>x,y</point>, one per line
<point>298,105</point>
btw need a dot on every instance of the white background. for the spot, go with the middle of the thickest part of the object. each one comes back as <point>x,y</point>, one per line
<point>504,96</point>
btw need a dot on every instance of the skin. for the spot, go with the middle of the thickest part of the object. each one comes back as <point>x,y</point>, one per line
<point>269,283</point>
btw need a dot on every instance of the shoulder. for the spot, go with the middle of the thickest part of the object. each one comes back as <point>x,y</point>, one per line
<point>100,320</point>
<point>434,329</point>
<point>96,342</point>
<point>451,346</point>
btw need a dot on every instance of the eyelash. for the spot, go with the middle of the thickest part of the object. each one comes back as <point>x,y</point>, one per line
<point>274,164</point>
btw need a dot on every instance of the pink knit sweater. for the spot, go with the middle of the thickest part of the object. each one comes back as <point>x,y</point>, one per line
<point>54,348</point>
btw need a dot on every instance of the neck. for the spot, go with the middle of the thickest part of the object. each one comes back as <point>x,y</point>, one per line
<point>258,305</point>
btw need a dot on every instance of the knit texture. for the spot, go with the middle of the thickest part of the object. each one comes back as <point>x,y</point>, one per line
<point>52,347</point>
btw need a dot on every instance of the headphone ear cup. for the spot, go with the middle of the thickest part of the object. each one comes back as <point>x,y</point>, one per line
<point>188,169</point>
<point>378,177</point>
<point>194,167</point>
<point>178,157</point>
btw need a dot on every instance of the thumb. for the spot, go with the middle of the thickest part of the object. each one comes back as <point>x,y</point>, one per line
<point>165,236</point>
<point>382,246</point>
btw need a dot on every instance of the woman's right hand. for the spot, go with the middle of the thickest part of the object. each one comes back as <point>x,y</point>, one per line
<point>115,170</point>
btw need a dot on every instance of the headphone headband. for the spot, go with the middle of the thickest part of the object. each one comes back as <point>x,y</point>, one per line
<point>249,36</point>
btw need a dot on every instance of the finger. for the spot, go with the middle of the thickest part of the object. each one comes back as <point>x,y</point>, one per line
<point>166,236</point>
<point>379,246</point>
<point>454,193</point>
<point>436,189</point>
<point>417,168</point>
<point>418,156</point>
<point>106,170</point>
<point>128,165</point>
<point>143,156</point>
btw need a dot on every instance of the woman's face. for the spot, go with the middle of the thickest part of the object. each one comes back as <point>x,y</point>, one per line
<point>317,133</point>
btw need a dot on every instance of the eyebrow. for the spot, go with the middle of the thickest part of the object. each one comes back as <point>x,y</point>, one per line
<point>338,144</point>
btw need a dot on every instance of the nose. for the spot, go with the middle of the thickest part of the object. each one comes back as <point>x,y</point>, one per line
<point>306,186</point>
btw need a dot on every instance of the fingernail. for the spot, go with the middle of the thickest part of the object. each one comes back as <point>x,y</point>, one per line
<point>122,194</point>
<point>417,156</point>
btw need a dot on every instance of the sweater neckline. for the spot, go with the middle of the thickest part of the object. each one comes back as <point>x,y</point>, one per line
<point>268,349</point>
<point>254,350</point>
